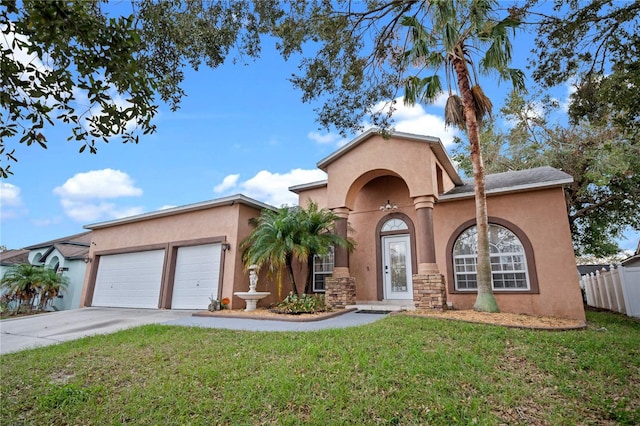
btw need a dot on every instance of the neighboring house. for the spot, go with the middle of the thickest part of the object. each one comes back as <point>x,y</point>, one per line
<point>68,256</point>
<point>10,258</point>
<point>632,261</point>
<point>413,220</point>
<point>587,269</point>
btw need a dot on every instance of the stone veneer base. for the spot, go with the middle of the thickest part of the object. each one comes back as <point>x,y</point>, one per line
<point>429,292</point>
<point>340,292</point>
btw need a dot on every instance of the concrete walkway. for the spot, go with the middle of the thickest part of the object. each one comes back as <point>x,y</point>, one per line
<point>349,319</point>
<point>17,334</point>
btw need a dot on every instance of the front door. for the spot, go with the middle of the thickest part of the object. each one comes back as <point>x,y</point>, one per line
<point>396,267</point>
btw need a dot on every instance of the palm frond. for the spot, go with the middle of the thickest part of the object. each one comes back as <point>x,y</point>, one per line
<point>454,112</point>
<point>424,90</point>
<point>482,103</point>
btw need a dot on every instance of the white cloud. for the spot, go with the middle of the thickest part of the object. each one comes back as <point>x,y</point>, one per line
<point>227,183</point>
<point>84,211</point>
<point>531,111</point>
<point>106,183</point>
<point>10,195</point>
<point>273,188</point>
<point>11,205</point>
<point>82,196</point>
<point>409,119</point>
<point>414,119</point>
<point>570,89</point>
<point>328,139</point>
<point>41,223</point>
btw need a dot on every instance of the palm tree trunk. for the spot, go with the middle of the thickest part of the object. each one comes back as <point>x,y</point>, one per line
<point>308,286</point>
<point>292,278</point>
<point>485,301</point>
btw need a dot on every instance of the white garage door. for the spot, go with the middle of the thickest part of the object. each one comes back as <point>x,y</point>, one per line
<point>129,280</point>
<point>196,277</point>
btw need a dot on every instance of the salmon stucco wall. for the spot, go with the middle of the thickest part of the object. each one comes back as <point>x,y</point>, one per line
<point>542,216</point>
<point>379,157</point>
<point>228,223</point>
<point>317,195</point>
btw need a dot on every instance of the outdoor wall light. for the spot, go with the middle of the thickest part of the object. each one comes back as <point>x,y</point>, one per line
<point>226,246</point>
<point>87,259</point>
<point>388,206</point>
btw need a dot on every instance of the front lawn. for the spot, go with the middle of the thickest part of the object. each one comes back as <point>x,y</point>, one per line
<point>400,370</point>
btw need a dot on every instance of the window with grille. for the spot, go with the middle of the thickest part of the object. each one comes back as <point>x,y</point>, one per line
<point>508,260</point>
<point>322,268</point>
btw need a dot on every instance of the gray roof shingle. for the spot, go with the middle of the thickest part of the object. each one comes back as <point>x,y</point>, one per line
<point>538,177</point>
<point>14,257</point>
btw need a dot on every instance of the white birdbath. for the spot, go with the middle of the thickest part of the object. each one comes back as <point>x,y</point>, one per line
<point>252,296</point>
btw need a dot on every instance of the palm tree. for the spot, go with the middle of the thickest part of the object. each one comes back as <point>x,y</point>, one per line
<point>26,284</point>
<point>460,30</point>
<point>275,241</point>
<point>20,285</point>
<point>50,284</point>
<point>290,233</point>
<point>319,236</point>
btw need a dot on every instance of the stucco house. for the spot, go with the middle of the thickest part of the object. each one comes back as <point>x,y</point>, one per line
<point>411,215</point>
<point>66,255</point>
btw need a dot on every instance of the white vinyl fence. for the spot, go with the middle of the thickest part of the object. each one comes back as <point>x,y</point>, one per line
<point>616,290</point>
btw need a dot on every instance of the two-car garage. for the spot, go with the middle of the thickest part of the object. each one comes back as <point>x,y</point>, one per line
<point>175,258</point>
<point>135,280</point>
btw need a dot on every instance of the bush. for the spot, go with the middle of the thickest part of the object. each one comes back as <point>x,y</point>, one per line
<point>305,304</point>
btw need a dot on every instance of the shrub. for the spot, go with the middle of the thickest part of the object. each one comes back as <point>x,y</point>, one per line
<point>305,304</point>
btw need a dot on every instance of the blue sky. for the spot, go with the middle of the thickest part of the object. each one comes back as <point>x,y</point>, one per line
<point>240,129</point>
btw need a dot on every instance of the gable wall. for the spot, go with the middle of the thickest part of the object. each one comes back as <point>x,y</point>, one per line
<point>378,157</point>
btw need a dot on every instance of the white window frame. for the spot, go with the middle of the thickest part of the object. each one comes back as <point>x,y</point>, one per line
<point>323,266</point>
<point>510,266</point>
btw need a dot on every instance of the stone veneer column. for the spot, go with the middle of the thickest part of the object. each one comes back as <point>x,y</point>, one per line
<point>340,289</point>
<point>424,235</point>
<point>429,292</point>
<point>339,292</point>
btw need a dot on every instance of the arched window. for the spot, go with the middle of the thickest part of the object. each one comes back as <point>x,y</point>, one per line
<point>394,224</point>
<point>508,260</point>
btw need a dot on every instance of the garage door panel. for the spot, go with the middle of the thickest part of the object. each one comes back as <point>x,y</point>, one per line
<point>129,280</point>
<point>196,276</point>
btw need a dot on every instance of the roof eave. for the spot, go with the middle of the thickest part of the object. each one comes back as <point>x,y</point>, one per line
<point>219,202</point>
<point>297,189</point>
<point>504,190</point>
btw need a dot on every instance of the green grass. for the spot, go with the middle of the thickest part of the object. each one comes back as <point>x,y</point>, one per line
<point>400,370</point>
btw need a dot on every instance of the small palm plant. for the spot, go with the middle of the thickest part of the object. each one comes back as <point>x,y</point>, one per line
<point>289,233</point>
<point>275,241</point>
<point>50,285</point>
<point>319,236</point>
<point>31,287</point>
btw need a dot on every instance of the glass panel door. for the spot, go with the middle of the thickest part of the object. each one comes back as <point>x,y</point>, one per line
<point>397,267</point>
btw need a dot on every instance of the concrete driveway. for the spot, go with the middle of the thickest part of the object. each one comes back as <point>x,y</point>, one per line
<point>17,334</point>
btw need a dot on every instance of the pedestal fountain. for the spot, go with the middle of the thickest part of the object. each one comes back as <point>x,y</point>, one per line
<point>252,296</point>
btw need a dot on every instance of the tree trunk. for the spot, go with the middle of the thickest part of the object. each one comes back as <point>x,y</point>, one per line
<point>308,286</point>
<point>292,279</point>
<point>485,300</point>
